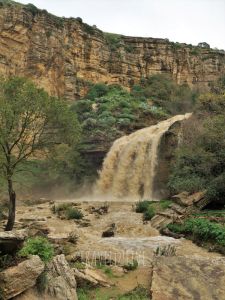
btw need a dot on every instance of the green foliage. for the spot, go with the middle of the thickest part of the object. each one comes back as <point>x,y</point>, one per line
<point>88,29</point>
<point>73,213</point>
<point>96,91</point>
<point>216,189</point>
<point>32,9</point>
<point>166,94</point>
<point>149,213</point>
<point>201,229</point>
<point>131,266</point>
<point>113,40</point>
<point>139,293</point>
<point>32,123</point>
<point>142,206</point>
<point>200,160</point>
<point>68,211</point>
<point>203,45</point>
<point>150,208</point>
<point>38,246</point>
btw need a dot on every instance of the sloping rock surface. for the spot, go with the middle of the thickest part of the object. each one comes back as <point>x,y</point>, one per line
<point>188,278</point>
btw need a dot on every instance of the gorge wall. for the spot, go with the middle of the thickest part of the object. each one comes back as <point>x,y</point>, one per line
<point>65,55</point>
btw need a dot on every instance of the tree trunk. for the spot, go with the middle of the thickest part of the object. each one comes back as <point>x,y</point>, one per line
<point>12,206</point>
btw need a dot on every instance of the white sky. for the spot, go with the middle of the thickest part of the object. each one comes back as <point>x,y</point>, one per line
<point>189,21</point>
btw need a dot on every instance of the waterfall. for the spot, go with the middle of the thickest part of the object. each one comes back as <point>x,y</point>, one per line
<point>130,166</point>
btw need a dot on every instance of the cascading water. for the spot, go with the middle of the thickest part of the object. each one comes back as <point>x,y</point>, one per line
<point>130,166</point>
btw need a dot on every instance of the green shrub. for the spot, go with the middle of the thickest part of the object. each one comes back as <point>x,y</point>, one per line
<point>142,206</point>
<point>164,204</point>
<point>139,293</point>
<point>32,9</point>
<point>113,40</point>
<point>38,246</point>
<point>201,229</point>
<point>131,266</point>
<point>97,90</point>
<point>73,213</point>
<point>149,214</point>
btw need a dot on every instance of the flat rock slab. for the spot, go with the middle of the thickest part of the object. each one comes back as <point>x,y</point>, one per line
<point>189,278</point>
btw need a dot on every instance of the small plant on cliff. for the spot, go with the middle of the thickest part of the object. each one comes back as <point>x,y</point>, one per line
<point>38,246</point>
<point>32,9</point>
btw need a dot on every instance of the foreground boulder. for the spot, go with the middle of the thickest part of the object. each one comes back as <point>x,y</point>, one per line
<point>188,278</point>
<point>11,241</point>
<point>61,280</point>
<point>15,280</point>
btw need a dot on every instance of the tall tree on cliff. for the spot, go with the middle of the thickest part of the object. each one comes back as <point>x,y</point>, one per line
<point>31,122</point>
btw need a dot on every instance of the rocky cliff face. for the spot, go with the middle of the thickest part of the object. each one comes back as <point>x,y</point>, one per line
<point>65,55</point>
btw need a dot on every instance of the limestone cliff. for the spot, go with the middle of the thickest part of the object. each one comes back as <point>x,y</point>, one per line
<point>64,55</point>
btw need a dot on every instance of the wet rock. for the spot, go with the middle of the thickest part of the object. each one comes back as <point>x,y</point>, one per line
<point>167,232</point>
<point>110,232</point>
<point>188,278</point>
<point>185,199</point>
<point>11,241</point>
<point>15,280</point>
<point>61,280</point>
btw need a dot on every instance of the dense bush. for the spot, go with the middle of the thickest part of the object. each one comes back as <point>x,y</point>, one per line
<point>201,229</point>
<point>38,246</point>
<point>166,94</point>
<point>32,8</point>
<point>142,206</point>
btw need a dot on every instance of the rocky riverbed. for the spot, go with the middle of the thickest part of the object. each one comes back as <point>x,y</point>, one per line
<point>188,272</point>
